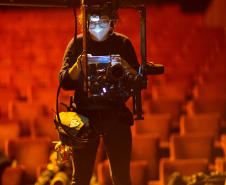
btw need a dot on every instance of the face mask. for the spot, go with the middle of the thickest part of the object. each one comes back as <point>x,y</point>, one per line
<point>98,32</point>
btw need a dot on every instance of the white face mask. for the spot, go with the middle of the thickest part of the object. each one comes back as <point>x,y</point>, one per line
<point>98,32</point>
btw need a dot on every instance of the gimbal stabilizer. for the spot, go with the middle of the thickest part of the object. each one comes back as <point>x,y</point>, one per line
<point>139,82</point>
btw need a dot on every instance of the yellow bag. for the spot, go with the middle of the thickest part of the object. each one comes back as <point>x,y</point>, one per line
<point>74,129</point>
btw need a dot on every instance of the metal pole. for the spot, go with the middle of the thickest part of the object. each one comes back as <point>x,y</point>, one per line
<point>85,71</point>
<point>143,34</point>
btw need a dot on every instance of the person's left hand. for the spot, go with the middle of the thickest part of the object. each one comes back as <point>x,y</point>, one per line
<point>117,59</point>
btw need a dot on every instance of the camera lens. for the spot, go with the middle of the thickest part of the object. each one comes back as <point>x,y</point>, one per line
<point>116,73</point>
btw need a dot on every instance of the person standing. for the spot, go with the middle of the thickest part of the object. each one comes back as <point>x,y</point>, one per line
<point>109,118</point>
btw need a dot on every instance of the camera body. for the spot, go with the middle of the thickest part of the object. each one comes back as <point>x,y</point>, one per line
<point>109,79</point>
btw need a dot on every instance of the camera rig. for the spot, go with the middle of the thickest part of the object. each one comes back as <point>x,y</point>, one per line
<point>111,81</point>
<point>101,78</point>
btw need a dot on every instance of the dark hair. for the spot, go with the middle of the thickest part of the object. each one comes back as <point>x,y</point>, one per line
<point>112,13</point>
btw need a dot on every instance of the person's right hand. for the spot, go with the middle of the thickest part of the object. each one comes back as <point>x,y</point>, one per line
<point>79,62</point>
<point>76,68</point>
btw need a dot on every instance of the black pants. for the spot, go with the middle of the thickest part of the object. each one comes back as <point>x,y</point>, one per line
<point>117,142</point>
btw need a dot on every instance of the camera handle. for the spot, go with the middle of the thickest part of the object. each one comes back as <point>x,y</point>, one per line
<point>137,100</point>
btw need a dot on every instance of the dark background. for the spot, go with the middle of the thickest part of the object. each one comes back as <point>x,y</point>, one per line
<point>187,5</point>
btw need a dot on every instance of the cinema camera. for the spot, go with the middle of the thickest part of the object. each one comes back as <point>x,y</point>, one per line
<point>108,78</point>
<point>105,76</point>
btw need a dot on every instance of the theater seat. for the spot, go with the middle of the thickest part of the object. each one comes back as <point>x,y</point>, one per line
<point>192,146</point>
<point>210,91</point>
<point>11,130</point>
<point>13,175</point>
<point>138,172</point>
<point>223,143</point>
<point>173,107</point>
<point>209,106</point>
<point>29,152</point>
<point>146,147</point>
<point>156,123</point>
<point>186,167</point>
<point>220,164</point>
<point>144,161</point>
<point>7,94</point>
<point>202,123</point>
<point>25,112</point>
<point>170,92</point>
<point>44,126</point>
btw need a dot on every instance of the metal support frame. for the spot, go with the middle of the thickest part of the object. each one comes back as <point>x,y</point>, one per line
<point>137,100</point>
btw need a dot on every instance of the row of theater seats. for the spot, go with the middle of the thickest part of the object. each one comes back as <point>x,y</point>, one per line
<point>193,113</point>
<point>189,153</point>
<point>165,98</point>
<point>28,156</point>
<point>155,143</point>
<point>198,109</point>
<point>195,108</point>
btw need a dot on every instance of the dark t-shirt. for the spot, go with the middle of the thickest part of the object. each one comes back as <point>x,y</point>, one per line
<point>114,44</point>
